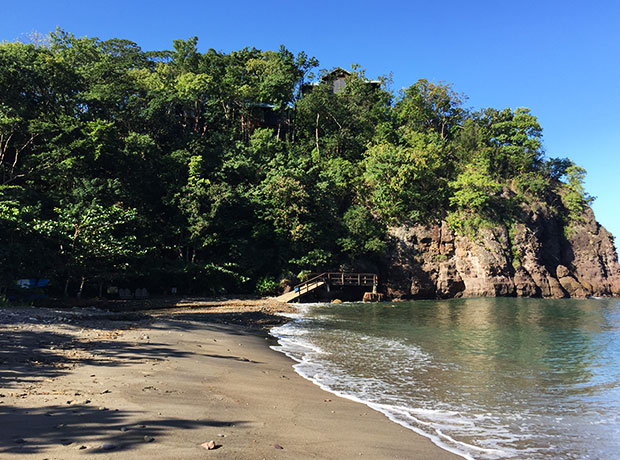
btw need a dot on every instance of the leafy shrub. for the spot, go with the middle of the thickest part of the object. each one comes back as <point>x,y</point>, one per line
<point>267,285</point>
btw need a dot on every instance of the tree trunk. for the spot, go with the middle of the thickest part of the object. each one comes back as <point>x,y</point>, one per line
<point>66,293</point>
<point>101,289</point>
<point>79,294</point>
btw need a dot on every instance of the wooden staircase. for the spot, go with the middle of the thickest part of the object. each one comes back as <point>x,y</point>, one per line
<point>331,279</point>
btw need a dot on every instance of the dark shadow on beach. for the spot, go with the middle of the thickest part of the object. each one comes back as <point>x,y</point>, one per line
<point>232,358</point>
<point>252,322</point>
<point>43,343</point>
<point>28,355</point>
<point>29,431</point>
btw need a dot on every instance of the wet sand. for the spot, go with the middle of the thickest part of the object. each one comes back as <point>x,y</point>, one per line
<point>80,384</point>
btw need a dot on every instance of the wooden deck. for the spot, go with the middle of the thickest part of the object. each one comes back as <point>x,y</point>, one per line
<point>331,279</point>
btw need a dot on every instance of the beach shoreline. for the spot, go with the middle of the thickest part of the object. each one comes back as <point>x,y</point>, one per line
<point>81,383</point>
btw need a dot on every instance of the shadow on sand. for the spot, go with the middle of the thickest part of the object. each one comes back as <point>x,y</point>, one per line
<point>26,356</point>
<point>29,431</point>
<point>44,346</point>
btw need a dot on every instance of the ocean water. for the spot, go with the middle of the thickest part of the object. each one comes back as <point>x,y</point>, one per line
<point>485,378</point>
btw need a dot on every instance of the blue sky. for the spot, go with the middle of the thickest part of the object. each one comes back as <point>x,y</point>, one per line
<point>559,58</point>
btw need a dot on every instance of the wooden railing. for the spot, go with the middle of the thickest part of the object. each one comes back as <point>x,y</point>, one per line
<point>331,279</point>
<point>310,284</point>
<point>338,279</point>
<point>352,279</point>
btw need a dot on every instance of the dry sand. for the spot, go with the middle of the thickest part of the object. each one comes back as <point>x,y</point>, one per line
<point>81,384</point>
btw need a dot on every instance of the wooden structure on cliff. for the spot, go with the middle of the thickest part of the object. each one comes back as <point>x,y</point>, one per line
<point>337,80</point>
<point>330,279</point>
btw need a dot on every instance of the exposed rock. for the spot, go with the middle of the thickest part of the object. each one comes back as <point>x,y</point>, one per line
<point>484,266</point>
<point>572,287</point>
<point>525,285</point>
<point>449,281</point>
<point>593,257</point>
<point>286,285</point>
<point>531,259</point>
<point>372,297</point>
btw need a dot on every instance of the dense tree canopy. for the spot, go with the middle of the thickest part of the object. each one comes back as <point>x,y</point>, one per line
<point>212,171</point>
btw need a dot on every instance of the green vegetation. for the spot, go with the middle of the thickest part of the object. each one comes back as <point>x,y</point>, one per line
<point>214,172</point>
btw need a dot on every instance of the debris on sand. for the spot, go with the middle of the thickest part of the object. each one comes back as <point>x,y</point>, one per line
<point>108,446</point>
<point>208,445</point>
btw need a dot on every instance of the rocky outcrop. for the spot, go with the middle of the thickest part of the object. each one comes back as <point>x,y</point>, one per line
<point>530,259</point>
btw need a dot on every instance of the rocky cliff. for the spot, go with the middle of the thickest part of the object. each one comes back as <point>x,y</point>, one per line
<point>534,258</point>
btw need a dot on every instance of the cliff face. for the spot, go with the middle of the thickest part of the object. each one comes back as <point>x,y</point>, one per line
<point>529,259</point>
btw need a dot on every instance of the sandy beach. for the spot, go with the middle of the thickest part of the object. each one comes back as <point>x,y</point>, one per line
<point>91,383</point>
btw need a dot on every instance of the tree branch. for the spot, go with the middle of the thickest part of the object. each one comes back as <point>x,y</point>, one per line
<point>316,132</point>
<point>18,151</point>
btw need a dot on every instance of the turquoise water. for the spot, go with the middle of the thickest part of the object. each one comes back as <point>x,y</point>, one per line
<point>485,378</point>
